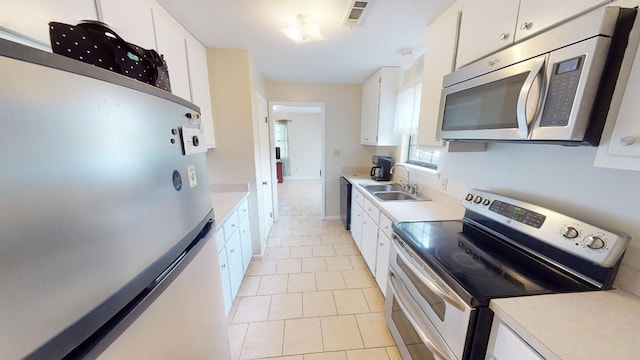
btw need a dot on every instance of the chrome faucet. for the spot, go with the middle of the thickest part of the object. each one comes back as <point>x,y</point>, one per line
<point>413,188</point>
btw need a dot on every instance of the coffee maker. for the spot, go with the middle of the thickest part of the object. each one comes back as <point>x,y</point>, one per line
<point>381,170</point>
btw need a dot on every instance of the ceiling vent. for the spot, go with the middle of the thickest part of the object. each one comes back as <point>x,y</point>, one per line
<point>356,12</point>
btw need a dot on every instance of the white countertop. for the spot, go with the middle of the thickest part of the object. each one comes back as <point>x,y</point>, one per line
<point>585,325</point>
<point>225,202</point>
<point>440,207</point>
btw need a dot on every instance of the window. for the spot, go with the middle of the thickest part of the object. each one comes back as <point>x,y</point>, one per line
<point>406,123</point>
<point>421,157</point>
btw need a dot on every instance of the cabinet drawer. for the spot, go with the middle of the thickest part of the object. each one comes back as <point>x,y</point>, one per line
<point>385,225</point>
<point>231,224</point>
<point>243,210</point>
<point>370,209</point>
<point>356,197</point>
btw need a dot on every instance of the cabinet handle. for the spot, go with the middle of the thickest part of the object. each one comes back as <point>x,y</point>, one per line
<point>504,36</point>
<point>627,141</point>
<point>526,25</point>
<point>232,251</point>
<point>224,266</point>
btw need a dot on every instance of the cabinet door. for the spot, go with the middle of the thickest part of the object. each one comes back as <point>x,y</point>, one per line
<point>224,279</point>
<point>132,20</point>
<point>439,60</point>
<point>245,240</point>
<point>170,36</point>
<point>369,116</point>
<point>356,224</point>
<point>486,26</point>
<point>390,83</point>
<point>234,261</point>
<point>200,91</point>
<point>30,18</point>
<point>509,346</point>
<point>537,15</point>
<point>369,242</point>
<point>382,260</point>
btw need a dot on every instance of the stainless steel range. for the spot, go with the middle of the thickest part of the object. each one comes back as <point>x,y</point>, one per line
<point>443,274</point>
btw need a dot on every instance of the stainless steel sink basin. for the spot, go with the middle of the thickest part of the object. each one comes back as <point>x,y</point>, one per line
<point>383,187</point>
<point>393,196</point>
<point>392,192</point>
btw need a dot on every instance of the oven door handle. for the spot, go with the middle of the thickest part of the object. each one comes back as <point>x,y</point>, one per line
<point>429,283</point>
<point>440,354</point>
<point>523,97</point>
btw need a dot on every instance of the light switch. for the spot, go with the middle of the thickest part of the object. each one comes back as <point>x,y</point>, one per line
<point>336,152</point>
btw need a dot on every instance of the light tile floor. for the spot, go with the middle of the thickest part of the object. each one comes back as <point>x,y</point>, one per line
<point>312,296</point>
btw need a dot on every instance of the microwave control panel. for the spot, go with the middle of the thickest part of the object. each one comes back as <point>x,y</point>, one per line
<point>563,85</point>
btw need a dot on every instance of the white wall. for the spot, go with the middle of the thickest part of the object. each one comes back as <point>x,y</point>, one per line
<point>234,80</point>
<point>305,137</point>
<point>342,129</point>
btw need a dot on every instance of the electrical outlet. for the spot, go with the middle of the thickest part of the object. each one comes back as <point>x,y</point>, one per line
<point>443,183</point>
<point>336,152</point>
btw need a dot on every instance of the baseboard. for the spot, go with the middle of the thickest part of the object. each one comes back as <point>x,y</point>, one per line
<point>332,217</point>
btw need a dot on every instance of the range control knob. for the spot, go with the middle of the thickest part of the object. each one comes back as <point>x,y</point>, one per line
<point>478,199</point>
<point>594,242</point>
<point>570,232</point>
<point>469,197</point>
<point>486,202</point>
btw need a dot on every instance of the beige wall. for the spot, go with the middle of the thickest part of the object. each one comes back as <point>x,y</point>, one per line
<point>342,129</point>
<point>234,81</point>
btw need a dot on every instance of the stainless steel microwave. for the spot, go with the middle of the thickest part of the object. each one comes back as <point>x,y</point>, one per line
<point>553,88</point>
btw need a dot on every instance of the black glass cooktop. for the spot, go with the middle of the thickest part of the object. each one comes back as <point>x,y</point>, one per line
<point>480,267</point>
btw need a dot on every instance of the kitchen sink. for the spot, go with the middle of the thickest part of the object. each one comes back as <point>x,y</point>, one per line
<point>397,196</point>
<point>383,187</point>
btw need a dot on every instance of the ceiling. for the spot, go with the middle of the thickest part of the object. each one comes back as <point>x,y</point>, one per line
<point>348,55</point>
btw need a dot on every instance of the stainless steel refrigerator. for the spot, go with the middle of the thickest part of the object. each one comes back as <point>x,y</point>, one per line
<point>104,201</point>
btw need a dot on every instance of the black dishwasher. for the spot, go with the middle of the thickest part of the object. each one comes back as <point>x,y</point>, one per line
<point>345,202</point>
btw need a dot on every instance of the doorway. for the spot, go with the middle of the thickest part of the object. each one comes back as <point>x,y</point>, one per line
<point>299,137</point>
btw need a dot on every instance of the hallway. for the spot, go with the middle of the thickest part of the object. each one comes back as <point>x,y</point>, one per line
<point>312,296</point>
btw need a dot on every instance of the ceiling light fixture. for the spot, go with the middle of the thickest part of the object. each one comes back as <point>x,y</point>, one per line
<point>406,58</point>
<point>303,30</point>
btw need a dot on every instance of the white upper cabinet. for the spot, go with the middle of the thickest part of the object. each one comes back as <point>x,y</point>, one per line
<point>490,25</point>
<point>379,95</point>
<point>200,90</point>
<point>439,60</point>
<point>537,15</point>
<point>30,18</point>
<point>135,25</point>
<point>170,36</point>
<point>486,25</point>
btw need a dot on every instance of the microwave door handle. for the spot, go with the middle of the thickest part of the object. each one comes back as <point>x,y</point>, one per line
<point>409,315</point>
<point>430,284</point>
<point>521,107</point>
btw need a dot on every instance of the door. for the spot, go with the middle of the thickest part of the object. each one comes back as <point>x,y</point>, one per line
<point>266,174</point>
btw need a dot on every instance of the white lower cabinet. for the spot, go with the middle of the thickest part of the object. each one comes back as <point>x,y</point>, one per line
<point>233,236</point>
<point>371,231</point>
<point>245,240</point>
<point>505,344</point>
<point>384,247</point>
<point>224,279</point>
<point>234,260</point>
<point>369,242</point>
<point>356,217</point>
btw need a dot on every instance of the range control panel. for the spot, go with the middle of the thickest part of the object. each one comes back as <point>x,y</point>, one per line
<point>585,240</point>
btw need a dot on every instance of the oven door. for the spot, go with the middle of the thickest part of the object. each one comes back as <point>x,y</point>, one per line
<point>414,334</point>
<point>444,310</point>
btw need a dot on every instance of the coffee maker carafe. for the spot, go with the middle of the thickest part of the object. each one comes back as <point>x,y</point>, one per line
<point>381,170</point>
